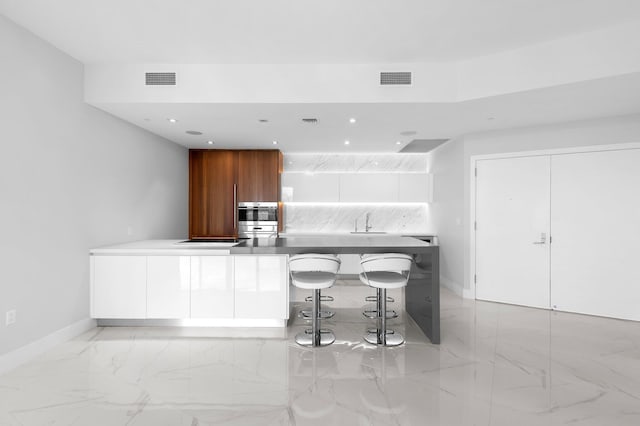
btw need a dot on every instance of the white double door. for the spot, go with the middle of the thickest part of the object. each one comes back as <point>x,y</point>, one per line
<point>560,231</point>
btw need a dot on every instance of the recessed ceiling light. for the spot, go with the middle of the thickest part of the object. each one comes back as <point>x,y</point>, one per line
<point>193,132</point>
<point>290,162</point>
<point>263,120</point>
<point>172,120</point>
<point>275,142</point>
<point>491,118</point>
<point>398,143</point>
<point>408,133</point>
<point>210,142</point>
<point>347,142</point>
<point>352,120</point>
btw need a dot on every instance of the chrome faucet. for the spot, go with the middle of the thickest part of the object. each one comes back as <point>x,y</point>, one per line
<point>366,224</point>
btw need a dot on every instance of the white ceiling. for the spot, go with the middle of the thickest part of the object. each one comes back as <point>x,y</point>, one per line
<point>378,126</point>
<point>305,31</point>
<point>339,32</point>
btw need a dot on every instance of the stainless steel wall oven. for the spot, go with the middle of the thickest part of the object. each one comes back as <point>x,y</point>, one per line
<point>257,219</point>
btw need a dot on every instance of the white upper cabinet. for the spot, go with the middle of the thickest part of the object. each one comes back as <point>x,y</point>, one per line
<point>356,178</point>
<point>414,187</point>
<point>356,187</point>
<point>369,187</point>
<point>168,286</point>
<point>321,187</point>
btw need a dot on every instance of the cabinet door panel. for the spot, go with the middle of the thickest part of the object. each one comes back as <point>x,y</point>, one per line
<point>595,228</point>
<point>212,186</point>
<point>259,175</point>
<point>212,294</point>
<point>119,287</point>
<point>261,287</point>
<point>368,187</point>
<point>268,175</point>
<point>320,187</point>
<point>168,285</point>
<point>414,187</point>
<point>247,171</point>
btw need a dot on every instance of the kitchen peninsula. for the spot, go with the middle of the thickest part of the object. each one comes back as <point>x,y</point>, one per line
<point>237,284</point>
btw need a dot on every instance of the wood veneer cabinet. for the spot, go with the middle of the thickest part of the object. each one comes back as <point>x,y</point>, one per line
<point>219,179</point>
<point>213,194</point>
<point>259,175</point>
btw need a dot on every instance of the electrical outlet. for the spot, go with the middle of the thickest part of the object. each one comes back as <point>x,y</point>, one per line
<point>11,317</point>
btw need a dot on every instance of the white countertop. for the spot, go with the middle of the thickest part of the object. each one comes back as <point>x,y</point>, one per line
<point>282,245</point>
<point>369,234</point>
<point>165,247</point>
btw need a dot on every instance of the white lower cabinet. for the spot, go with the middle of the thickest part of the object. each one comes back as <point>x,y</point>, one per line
<point>212,287</point>
<point>261,287</point>
<point>119,287</point>
<point>168,286</point>
<point>181,287</point>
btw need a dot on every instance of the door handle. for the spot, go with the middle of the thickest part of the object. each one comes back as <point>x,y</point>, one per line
<point>543,239</point>
<point>235,206</point>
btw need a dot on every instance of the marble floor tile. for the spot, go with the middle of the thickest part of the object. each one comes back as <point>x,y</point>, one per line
<point>497,365</point>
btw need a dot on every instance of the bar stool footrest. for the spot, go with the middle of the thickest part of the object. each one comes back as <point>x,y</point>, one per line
<point>322,299</point>
<point>375,330</point>
<point>306,314</point>
<point>392,339</point>
<point>373,314</point>
<point>306,339</point>
<point>375,299</point>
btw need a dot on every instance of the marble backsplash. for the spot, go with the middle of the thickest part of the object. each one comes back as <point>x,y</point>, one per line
<point>328,163</point>
<point>393,218</point>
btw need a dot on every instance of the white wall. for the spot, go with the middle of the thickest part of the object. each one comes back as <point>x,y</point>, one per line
<point>71,177</point>
<point>605,53</point>
<point>576,58</point>
<point>447,158</point>
<point>446,210</point>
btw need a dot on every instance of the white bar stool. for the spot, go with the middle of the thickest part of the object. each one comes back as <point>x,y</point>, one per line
<point>375,313</point>
<point>315,272</point>
<point>384,271</point>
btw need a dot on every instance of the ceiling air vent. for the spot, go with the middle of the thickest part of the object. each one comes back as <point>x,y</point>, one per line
<point>310,120</point>
<point>423,145</point>
<point>401,78</point>
<point>160,78</point>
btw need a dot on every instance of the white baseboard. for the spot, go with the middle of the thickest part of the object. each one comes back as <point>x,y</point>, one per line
<point>465,293</point>
<point>26,353</point>
<point>468,293</point>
